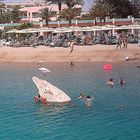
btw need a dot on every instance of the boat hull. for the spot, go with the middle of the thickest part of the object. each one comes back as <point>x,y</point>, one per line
<point>49,93</point>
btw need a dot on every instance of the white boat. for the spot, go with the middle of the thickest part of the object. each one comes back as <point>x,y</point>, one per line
<point>49,93</point>
<point>44,70</point>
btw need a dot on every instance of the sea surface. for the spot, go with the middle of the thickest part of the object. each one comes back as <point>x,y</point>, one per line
<point>115,114</point>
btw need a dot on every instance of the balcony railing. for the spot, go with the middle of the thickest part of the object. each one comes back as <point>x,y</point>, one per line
<point>123,20</point>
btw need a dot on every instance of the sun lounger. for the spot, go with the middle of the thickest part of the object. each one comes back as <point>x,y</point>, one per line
<point>139,42</point>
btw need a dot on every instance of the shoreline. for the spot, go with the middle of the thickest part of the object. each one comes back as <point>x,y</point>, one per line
<point>96,53</point>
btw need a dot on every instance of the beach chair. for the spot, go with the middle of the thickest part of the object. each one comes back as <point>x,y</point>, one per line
<point>10,44</point>
<point>66,44</point>
<point>47,42</point>
<point>83,42</point>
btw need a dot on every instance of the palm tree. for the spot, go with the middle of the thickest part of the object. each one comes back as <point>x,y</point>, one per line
<point>123,7</point>
<point>70,13</point>
<point>135,8</point>
<point>73,3</point>
<point>2,8</point>
<point>93,13</point>
<point>15,13</point>
<point>69,3</point>
<point>46,14</point>
<point>4,18</point>
<point>59,3</point>
<point>102,9</point>
<point>25,26</point>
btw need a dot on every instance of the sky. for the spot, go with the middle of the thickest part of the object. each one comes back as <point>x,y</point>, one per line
<point>87,3</point>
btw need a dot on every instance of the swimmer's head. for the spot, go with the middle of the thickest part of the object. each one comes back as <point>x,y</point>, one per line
<point>88,96</point>
<point>111,79</point>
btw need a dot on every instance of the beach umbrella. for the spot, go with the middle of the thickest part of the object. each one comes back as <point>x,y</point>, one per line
<point>96,28</point>
<point>134,26</point>
<point>27,31</point>
<point>110,26</point>
<point>85,29</point>
<point>13,31</point>
<point>73,28</point>
<point>63,31</point>
<point>124,27</point>
<point>45,29</point>
<point>23,31</point>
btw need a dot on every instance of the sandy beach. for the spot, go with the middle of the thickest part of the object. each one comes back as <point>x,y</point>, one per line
<point>80,53</point>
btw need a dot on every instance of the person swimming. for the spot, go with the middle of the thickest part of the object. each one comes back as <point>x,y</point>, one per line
<point>138,67</point>
<point>81,97</point>
<point>122,82</point>
<point>88,101</point>
<point>71,63</point>
<point>110,83</point>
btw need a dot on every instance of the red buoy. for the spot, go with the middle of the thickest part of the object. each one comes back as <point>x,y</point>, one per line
<point>107,67</point>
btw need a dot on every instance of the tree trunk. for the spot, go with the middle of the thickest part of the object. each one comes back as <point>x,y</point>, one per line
<point>0,12</point>
<point>46,21</point>
<point>59,6</point>
<point>95,22</point>
<point>69,22</point>
<point>100,20</point>
<point>104,20</point>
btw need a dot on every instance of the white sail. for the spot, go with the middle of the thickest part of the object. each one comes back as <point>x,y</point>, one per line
<point>50,92</point>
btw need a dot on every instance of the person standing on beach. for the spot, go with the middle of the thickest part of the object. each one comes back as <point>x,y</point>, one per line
<point>124,41</point>
<point>119,41</point>
<point>139,43</point>
<point>87,39</point>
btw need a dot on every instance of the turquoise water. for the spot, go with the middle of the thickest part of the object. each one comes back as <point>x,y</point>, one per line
<point>115,114</point>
